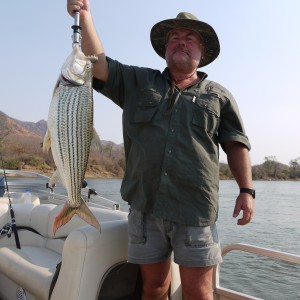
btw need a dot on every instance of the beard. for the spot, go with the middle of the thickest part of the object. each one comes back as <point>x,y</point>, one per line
<point>183,60</point>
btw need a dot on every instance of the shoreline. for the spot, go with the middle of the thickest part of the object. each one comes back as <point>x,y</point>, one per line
<point>109,175</point>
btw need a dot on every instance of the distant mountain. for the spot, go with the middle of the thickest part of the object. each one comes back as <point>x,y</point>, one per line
<point>16,127</point>
<point>38,128</point>
<point>20,145</point>
<point>33,130</point>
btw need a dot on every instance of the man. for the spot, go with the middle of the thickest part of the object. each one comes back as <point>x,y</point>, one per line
<point>173,123</point>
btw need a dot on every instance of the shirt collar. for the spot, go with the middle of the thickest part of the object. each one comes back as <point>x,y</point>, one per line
<point>201,75</point>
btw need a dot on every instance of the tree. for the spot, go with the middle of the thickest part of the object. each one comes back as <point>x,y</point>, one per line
<point>295,167</point>
<point>271,165</point>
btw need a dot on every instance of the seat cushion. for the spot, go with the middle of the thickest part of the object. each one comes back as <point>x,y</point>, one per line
<point>30,265</point>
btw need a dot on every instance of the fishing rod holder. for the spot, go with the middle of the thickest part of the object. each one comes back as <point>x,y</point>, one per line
<point>91,192</point>
<point>50,187</point>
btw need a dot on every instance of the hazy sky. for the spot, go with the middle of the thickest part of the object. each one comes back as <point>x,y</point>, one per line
<point>259,61</point>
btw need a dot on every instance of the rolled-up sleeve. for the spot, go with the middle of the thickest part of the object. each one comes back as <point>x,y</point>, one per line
<point>231,126</point>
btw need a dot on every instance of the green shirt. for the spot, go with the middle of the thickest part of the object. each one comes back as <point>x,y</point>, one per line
<point>172,158</point>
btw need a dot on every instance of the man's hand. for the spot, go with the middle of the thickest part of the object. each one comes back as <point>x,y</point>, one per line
<point>245,203</point>
<point>77,5</point>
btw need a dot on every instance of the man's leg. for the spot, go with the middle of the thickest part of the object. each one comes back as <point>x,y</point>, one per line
<point>156,280</point>
<point>149,247</point>
<point>196,250</point>
<point>197,283</point>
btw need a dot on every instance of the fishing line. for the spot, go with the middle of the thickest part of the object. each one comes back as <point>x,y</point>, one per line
<point>8,228</point>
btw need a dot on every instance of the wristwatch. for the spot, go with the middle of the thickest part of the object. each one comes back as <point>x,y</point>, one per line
<point>249,191</point>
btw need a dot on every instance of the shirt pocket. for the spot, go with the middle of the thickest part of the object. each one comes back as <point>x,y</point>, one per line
<point>206,113</point>
<point>147,105</point>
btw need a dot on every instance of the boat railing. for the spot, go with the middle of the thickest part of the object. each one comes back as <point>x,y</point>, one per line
<point>56,194</point>
<point>222,293</point>
<point>94,200</point>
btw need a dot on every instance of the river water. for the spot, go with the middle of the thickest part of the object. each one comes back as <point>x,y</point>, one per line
<point>276,225</point>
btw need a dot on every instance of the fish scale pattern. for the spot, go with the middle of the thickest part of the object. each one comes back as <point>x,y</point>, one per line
<point>74,125</point>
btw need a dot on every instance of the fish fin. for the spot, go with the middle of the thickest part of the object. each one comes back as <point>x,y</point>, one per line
<point>54,178</point>
<point>96,142</point>
<point>93,58</point>
<point>85,214</point>
<point>47,141</point>
<point>63,217</point>
<point>68,212</point>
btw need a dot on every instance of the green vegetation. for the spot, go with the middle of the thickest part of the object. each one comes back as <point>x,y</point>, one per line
<point>269,170</point>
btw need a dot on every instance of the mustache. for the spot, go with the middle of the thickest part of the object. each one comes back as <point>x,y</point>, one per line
<point>181,49</point>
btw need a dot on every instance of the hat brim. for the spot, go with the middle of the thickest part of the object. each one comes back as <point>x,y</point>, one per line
<point>210,41</point>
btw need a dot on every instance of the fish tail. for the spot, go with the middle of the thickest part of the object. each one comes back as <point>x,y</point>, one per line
<point>68,212</point>
<point>85,214</point>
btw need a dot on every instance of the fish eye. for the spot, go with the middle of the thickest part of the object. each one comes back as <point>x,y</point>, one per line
<point>88,65</point>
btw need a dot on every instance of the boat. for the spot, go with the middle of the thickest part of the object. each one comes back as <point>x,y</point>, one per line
<point>79,262</point>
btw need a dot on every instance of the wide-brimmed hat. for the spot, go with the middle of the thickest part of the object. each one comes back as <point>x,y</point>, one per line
<point>210,41</point>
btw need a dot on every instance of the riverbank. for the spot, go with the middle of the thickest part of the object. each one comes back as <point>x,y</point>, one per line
<point>90,173</point>
<point>98,173</point>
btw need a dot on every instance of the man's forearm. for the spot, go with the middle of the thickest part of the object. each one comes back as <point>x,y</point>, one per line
<point>92,45</point>
<point>239,163</point>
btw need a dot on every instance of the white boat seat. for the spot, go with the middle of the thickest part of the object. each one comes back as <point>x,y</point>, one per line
<point>86,254</point>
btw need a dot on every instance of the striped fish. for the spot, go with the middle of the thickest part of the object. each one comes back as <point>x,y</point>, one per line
<point>70,132</point>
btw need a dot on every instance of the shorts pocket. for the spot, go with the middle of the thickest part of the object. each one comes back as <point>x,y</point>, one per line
<point>136,227</point>
<point>201,237</point>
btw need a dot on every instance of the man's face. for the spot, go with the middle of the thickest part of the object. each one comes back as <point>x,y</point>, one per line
<point>183,48</point>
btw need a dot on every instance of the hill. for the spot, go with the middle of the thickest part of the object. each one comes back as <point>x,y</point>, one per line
<point>20,144</point>
<point>20,128</point>
<point>21,148</point>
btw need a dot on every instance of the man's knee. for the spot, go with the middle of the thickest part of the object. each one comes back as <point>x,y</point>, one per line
<point>156,280</point>
<point>197,283</point>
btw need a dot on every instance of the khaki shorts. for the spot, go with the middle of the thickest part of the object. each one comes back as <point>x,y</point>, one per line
<point>152,240</point>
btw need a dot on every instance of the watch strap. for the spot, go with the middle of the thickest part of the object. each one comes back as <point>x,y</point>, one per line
<point>248,191</point>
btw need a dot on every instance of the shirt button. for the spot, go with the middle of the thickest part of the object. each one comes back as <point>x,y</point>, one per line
<point>172,130</point>
<point>166,173</point>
